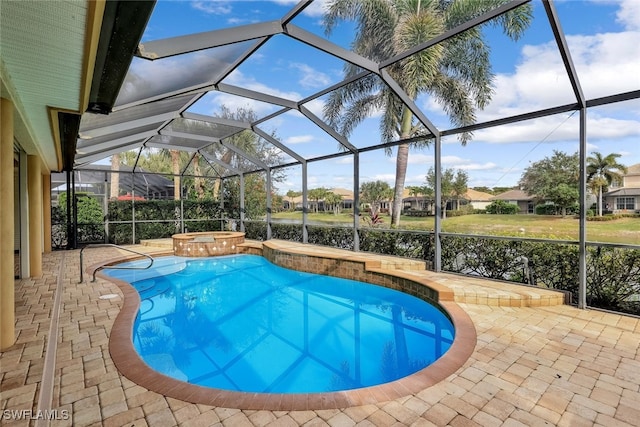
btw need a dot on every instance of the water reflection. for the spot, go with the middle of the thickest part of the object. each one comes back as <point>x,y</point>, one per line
<point>241,323</point>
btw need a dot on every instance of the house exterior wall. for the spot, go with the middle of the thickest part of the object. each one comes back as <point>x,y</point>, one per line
<point>632,181</point>
<point>479,204</point>
<point>622,204</point>
<point>523,206</point>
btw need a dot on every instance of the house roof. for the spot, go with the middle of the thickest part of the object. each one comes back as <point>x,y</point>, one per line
<point>620,192</point>
<point>343,192</point>
<point>633,170</point>
<point>513,195</point>
<point>478,196</point>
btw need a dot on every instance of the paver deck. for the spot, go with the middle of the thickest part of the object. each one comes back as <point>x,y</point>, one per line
<point>547,365</point>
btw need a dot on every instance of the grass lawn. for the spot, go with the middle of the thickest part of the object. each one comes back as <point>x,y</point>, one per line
<point>624,230</point>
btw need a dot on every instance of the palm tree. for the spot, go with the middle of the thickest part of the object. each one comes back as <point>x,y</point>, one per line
<point>175,169</point>
<point>291,194</point>
<point>115,176</point>
<point>602,171</point>
<point>456,72</point>
<point>317,194</point>
<point>198,181</point>
<point>334,200</point>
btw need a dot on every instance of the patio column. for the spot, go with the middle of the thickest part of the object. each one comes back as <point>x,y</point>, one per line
<point>7,232</point>
<point>34,190</point>
<point>46,211</point>
<point>356,201</point>
<point>437,154</point>
<point>305,232</point>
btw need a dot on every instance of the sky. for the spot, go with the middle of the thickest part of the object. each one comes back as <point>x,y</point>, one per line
<point>604,41</point>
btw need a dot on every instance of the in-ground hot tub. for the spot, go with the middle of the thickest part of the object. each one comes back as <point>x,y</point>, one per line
<point>207,243</point>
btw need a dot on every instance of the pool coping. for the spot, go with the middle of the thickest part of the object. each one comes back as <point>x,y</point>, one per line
<point>131,365</point>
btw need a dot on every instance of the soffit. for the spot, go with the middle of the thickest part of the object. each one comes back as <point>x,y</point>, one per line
<point>42,45</point>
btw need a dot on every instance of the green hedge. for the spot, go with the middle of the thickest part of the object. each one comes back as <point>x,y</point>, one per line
<point>417,213</point>
<point>336,237</point>
<point>613,273</point>
<point>255,230</point>
<point>161,218</point>
<point>290,232</point>
<point>398,243</point>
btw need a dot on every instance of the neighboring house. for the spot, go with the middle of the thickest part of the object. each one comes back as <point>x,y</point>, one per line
<point>625,198</point>
<point>478,199</point>
<point>417,203</point>
<point>347,197</point>
<point>525,202</point>
<point>97,180</point>
<point>296,202</point>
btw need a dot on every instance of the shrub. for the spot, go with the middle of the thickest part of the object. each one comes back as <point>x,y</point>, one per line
<point>502,207</point>
<point>291,232</point>
<point>546,209</point>
<point>613,278</point>
<point>255,230</point>
<point>337,237</point>
<point>417,213</point>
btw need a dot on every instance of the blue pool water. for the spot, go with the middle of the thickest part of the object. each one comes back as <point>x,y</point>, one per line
<point>241,323</point>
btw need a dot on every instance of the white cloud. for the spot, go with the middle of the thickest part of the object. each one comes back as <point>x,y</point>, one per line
<point>388,177</point>
<point>449,160</point>
<point>346,160</point>
<point>212,7</point>
<point>416,180</point>
<point>315,9</point>
<point>555,128</point>
<point>241,21</point>
<point>606,64</point>
<point>456,162</point>
<point>299,139</point>
<point>235,102</point>
<point>478,166</point>
<point>310,77</point>
<point>316,106</point>
<point>417,158</point>
<point>237,78</point>
<point>629,14</point>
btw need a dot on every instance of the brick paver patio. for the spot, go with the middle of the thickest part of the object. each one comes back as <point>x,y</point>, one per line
<point>532,366</point>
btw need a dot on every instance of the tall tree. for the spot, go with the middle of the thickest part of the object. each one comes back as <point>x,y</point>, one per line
<point>543,179</point>
<point>453,185</point>
<point>198,181</point>
<point>374,193</point>
<point>175,169</point>
<point>247,141</point>
<point>602,171</point>
<point>456,72</point>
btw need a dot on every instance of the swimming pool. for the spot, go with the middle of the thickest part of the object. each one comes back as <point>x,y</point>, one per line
<point>241,323</point>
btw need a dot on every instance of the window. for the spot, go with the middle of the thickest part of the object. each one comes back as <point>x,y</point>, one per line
<point>625,203</point>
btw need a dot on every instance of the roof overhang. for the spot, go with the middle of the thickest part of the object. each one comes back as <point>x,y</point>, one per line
<point>49,87</point>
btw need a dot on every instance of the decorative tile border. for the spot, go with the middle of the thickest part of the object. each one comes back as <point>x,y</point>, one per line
<point>129,363</point>
<point>207,243</point>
